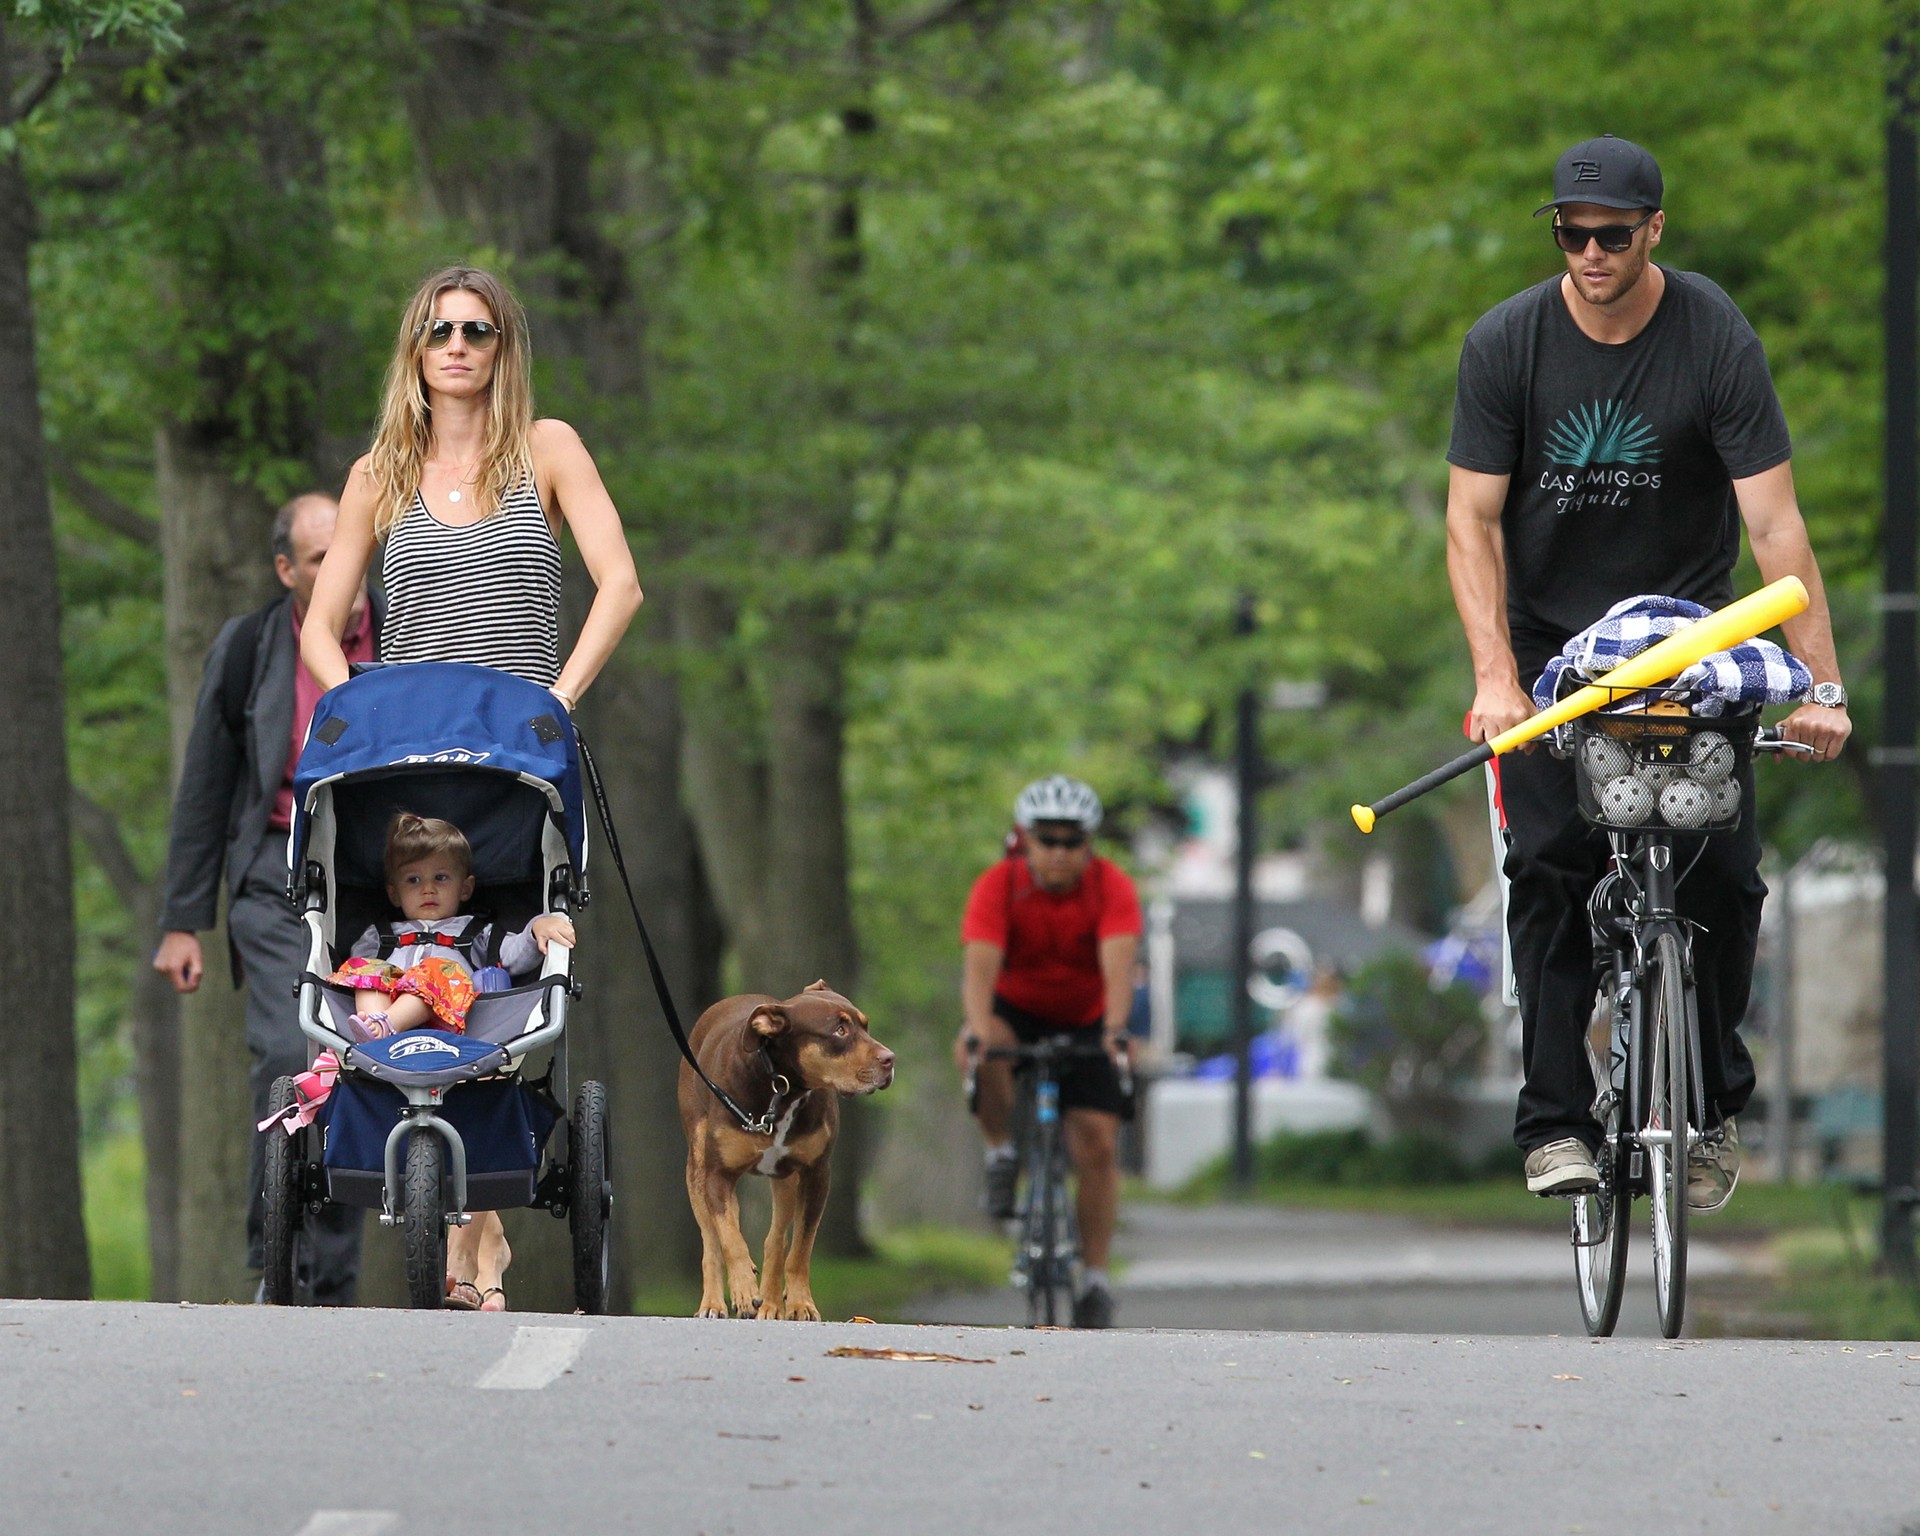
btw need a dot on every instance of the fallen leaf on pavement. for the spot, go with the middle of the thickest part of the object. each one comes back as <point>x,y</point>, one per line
<point>859,1319</point>
<point>1566,1378</point>
<point>854,1352</point>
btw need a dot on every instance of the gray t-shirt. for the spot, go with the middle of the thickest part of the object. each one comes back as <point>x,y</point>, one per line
<point>1622,457</point>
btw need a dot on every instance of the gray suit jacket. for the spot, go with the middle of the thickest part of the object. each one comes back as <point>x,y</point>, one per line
<point>228,782</point>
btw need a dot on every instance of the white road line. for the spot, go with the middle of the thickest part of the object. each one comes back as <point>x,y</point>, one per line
<point>536,1357</point>
<point>349,1522</point>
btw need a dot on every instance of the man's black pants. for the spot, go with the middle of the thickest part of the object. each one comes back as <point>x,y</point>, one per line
<point>1554,863</point>
<point>273,949</point>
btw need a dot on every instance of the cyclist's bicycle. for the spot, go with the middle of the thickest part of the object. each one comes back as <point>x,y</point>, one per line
<point>1648,780</point>
<point>1046,1255</point>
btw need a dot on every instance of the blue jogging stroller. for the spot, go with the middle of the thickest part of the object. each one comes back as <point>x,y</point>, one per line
<point>428,1126</point>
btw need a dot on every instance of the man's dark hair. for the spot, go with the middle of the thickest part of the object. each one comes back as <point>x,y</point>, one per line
<point>283,521</point>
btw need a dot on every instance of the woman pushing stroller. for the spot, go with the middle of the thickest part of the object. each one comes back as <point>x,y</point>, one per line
<point>424,970</point>
<point>465,494</point>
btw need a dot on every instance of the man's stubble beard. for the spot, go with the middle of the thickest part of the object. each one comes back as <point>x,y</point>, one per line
<point>1628,279</point>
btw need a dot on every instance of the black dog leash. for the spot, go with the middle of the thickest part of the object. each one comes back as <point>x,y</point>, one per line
<point>757,1125</point>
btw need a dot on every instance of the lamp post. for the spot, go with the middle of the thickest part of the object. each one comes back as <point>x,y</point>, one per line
<point>1247,784</point>
<point>1895,758</point>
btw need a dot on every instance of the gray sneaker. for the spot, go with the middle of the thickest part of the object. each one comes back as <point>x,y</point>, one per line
<point>1713,1168</point>
<point>1003,1179</point>
<point>1561,1167</point>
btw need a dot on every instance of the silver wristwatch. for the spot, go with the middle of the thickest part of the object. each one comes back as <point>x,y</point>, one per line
<point>1829,695</point>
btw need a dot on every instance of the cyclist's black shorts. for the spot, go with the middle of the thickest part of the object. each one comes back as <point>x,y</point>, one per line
<point>1086,1082</point>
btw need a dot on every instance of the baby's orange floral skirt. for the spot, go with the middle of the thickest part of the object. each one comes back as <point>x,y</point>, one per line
<point>443,985</point>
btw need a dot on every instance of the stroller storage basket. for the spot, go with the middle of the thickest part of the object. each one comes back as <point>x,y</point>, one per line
<point>1660,772</point>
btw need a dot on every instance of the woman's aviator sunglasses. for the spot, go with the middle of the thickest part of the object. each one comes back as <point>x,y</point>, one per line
<point>480,334</point>
<point>1613,238</point>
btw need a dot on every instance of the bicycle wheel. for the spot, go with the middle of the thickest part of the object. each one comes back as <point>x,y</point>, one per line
<point>1600,1218</point>
<point>1043,1281</point>
<point>1667,1113</point>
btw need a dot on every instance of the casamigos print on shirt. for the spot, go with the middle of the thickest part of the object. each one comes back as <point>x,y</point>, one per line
<point>1621,457</point>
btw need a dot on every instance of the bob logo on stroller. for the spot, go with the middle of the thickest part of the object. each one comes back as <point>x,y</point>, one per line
<point>427,1127</point>
<point>422,1045</point>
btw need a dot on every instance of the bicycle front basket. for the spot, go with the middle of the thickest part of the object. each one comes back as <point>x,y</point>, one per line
<point>1661,772</point>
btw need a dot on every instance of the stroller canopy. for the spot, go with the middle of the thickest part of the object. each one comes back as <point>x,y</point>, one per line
<point>448,722</point>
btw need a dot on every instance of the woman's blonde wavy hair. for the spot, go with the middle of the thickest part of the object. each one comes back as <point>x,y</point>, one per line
<point>405,437</point>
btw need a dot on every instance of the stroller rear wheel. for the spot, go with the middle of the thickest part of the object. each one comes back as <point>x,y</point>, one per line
<point>280,1236</point>
<point>590,1201</point>
<point>424,1220</point>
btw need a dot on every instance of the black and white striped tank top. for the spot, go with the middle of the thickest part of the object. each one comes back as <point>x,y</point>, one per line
<point>486,592</point>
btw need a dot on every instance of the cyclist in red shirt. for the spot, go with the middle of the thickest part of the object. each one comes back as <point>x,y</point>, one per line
<point>1050,936</point>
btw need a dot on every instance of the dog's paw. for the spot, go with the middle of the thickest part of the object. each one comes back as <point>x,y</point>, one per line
<point>748,1308</point>
<point>711,1309</point>
<point>799,1309</point>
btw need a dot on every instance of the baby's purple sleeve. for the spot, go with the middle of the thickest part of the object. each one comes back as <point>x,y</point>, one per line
<point>520,952</point>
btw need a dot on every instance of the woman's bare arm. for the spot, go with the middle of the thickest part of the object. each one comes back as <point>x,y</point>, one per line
<point>342,575</point>
<point>561,461</point>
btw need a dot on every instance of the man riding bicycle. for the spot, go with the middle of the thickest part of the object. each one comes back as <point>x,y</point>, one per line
<point>1050,936</point>
<point>1609,425</point>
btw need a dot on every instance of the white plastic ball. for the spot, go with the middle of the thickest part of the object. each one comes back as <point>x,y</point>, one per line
<point>1604,758</point>
<point>1658,775</point>
<point>1726,800</point>
<point>1686,804</point>
<point>1625,801</point>
<point>1712,758</point>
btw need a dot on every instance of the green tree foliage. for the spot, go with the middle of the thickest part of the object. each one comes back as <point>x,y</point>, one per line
<point>983,356</point>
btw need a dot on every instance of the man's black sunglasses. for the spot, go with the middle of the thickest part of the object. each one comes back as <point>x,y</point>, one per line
<point>1614,238</point>
<point>480,334</point>
<point>1061,840</point>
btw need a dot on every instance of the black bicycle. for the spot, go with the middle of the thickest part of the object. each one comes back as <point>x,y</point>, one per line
<point>1046,1256</point>
<point>1647,780</point>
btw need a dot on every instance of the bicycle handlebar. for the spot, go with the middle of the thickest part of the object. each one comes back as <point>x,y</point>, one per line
<point>1769,738</point>
<point>1052,1049</point>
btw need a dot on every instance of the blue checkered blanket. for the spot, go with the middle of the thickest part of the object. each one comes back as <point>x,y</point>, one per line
<point>1750,674</point>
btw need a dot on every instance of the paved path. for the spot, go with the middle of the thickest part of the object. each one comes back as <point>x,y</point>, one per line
<point>248,1421</point>
<point>1253,1267</point>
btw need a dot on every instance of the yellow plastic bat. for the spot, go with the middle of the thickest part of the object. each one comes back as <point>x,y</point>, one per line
<point>1738,621</point>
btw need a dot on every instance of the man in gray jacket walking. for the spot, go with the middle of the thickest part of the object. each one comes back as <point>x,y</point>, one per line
<point>231,813</point>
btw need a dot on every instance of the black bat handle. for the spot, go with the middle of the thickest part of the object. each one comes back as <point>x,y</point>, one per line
<point>1365,815</point>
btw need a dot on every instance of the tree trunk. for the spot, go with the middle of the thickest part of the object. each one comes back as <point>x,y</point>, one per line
<point>154,1018</point>
<point>637,708</point>
<point>494,158</point>
<point>214,539</point>
<point>43,1240</point>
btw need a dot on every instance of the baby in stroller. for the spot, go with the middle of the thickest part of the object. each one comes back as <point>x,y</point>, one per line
<point>423,972</point>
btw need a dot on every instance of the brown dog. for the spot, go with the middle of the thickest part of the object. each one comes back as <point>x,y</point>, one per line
<point>799,1057</point>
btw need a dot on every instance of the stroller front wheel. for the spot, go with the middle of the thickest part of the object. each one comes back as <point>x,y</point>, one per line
<point>424,1220</point>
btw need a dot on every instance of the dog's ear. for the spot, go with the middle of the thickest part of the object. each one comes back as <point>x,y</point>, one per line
<point>768,1020</point>
<point>820,986</point>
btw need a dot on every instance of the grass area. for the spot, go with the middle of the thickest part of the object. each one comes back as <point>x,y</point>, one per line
<point>114,1178</point>
<point>905,1264</point>
<point>1758,1210</point>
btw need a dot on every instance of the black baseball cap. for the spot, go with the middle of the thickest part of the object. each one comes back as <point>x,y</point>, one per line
<point>1610,172</point>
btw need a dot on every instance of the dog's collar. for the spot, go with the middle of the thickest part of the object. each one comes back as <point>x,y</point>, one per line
<point>781,1085</point>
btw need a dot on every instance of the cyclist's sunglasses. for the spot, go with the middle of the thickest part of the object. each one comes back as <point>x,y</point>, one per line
<point>480,334</point>
<point>1614,238</point>
<point>1061,840</point>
